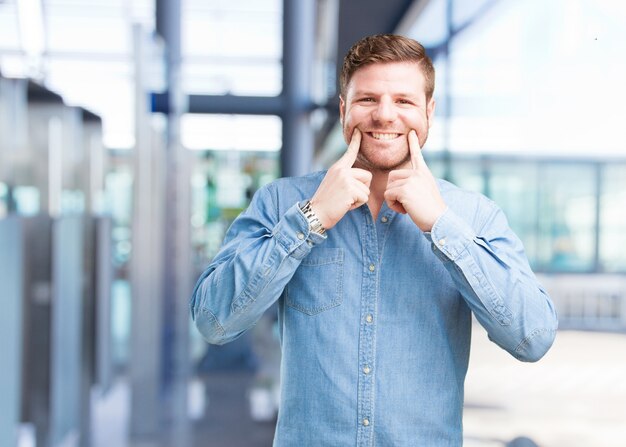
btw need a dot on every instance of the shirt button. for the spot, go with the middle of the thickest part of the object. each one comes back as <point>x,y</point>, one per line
<point>442,241</point>
<point>300,236</point>
<point>369,318</point>
<point>384,219</point>
<point>372,267</point>
<point>366,369</point>
<point>366,422</point>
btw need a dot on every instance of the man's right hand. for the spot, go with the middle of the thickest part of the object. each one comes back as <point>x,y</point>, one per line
<point>344,188</point>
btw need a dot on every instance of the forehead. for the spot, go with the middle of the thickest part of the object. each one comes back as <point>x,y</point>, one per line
<point>388,77</point>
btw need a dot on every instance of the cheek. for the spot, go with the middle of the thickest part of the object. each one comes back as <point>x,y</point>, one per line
<point>416,118</point>
<point>348,126</point>
<point>346,130</point>
<point>347,119</point>
<point>418,122</point>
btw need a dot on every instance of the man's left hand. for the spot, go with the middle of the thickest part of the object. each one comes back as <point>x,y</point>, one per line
<point>414,191</point>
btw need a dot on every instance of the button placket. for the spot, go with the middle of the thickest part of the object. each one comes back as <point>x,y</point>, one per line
<point>367,333</point>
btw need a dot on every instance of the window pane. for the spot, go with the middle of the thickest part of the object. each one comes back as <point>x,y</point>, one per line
<point>516,82</point>
<point>567,217</point>
<point>468,174</point>
<point>222,184</point>
<point>231,132</point>
<point>514,187</point>
<point>232,47</point>
<point>431,28</point>
<point>613,219</point>
<point>250,77</point>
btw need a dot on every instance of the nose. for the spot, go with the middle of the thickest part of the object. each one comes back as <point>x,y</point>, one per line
<point>385,110</point>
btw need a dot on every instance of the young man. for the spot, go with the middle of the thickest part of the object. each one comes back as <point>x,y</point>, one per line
<point>377,267</point>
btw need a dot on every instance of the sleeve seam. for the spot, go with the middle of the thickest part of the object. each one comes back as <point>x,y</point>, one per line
<point>526,341</point>
<point>214,319</point>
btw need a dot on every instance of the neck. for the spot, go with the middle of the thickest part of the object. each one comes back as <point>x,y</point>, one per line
<point>377,192</point>
<point>378,186</point>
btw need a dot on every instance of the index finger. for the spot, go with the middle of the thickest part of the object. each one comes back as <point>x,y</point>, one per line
<point>417,159</point>
<point>348,159</point>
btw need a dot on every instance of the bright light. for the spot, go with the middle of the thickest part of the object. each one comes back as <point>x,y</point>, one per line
<point>231,132</point>
<point>30,16</point>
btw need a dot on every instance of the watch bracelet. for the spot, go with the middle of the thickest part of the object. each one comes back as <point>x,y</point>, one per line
<point>315,225</point>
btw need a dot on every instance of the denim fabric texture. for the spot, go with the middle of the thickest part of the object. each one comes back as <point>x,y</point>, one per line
<point>375,316</point>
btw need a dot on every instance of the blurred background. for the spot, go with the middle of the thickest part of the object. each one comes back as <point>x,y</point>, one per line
<point>132,133</point>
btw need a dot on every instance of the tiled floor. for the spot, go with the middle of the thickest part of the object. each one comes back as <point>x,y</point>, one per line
<point>573,397</point>
<point>227,420</point>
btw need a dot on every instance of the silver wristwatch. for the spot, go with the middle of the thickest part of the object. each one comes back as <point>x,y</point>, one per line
<point>314,223</point>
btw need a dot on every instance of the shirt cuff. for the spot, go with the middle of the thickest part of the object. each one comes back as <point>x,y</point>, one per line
<point>450,235</point>
<point>294,235</point>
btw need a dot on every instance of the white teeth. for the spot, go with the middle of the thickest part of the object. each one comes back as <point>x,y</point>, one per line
<point>385,136</point>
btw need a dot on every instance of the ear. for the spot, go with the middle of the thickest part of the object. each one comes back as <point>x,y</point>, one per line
<point>430,111</point>
<point>342,109</point>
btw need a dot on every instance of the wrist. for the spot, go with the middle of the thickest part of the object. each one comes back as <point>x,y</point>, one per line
<point>315,224</point>
<point>428,226</point>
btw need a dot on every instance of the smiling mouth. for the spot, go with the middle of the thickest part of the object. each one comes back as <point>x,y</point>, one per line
<point>383,136</point>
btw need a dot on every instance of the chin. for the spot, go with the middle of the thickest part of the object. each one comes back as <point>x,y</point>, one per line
<point>383,165</point>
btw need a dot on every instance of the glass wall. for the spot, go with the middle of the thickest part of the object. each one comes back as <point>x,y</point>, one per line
<point>612,234</point>
<point>119,194</point>
<point>515,187</point>
<point>527,77</point>
<point>569,214</point>
<point>223,183</point>
<point>566,218</point>
<point>232,47</point>
<point>529,111</point>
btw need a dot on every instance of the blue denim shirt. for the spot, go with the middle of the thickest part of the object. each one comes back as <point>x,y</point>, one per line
<point>375,318</point>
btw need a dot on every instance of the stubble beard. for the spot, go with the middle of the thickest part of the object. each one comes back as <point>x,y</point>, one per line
<point>365,162</point>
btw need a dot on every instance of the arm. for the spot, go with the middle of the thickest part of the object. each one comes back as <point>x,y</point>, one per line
<point>260,254</point>
<point>492,273</point>
<point>262,251</point>
<point>488,265</point>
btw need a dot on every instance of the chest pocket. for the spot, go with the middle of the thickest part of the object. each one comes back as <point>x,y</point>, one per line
<point>317,284</point>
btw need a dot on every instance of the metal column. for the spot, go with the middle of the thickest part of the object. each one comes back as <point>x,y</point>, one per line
<point>177,237</point>
<point>11,278</point>
<point>147,293</point>
<point>162,273</point>
<point>296,157</point>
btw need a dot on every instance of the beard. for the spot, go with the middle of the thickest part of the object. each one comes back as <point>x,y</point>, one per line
<point>369,163</point>
<point>370,158</point>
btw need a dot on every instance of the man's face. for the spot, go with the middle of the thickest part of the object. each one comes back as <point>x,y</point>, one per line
<point>385,101</point>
